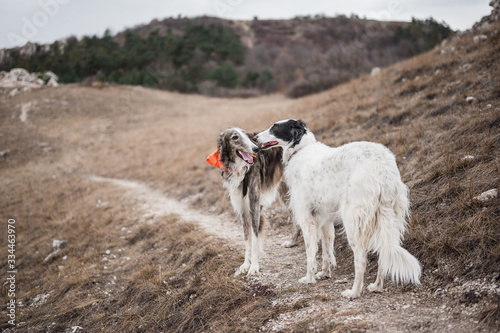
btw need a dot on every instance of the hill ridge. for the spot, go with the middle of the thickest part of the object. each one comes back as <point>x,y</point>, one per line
<point>207,55</point>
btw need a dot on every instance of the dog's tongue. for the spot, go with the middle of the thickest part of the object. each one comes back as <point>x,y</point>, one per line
<point>246,157</point>
<point>272,143</point>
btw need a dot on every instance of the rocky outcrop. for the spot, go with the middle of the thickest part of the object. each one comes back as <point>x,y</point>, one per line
<point>487,20</point>
<point>19,80</point>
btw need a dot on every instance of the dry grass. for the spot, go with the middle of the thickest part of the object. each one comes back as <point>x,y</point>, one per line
<point>162,276</point>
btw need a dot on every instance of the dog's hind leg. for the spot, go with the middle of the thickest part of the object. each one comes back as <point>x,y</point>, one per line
<point>262,232</point>
<point>247,230</point>
<point>355,219</point>
<point>327,241</point>
<point>378,285</point>
<point>256,228</point>
<point>360,260</point>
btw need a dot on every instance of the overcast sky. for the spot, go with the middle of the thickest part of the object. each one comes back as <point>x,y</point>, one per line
<point>45,21</point>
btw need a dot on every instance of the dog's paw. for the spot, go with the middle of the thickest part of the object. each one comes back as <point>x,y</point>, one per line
<point>374,288</point>
<point>242,270</point>
<point>323,275</point>
<point>307,279</point>
<point>349,293</point>
<point>334,262</point>
<point>254,270</point>
<point>289,244</point>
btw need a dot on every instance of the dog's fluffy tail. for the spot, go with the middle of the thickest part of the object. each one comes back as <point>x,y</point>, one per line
<point>394,260</point>
<point>399,264</point>
<point>262,233</point>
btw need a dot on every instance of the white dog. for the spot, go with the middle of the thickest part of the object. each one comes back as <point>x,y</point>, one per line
<point>358,185</point>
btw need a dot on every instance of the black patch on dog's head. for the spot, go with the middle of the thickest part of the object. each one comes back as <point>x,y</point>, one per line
<point>290,131</point>
<point>224,146</point>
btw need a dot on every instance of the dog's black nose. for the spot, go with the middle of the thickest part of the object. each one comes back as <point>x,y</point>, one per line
<point>256,137</point>
<point>255,149</point>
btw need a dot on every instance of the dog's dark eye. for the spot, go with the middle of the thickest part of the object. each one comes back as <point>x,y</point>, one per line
<point>235,137</point>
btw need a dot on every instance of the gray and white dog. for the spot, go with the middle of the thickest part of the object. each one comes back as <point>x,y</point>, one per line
<point>253,184</point>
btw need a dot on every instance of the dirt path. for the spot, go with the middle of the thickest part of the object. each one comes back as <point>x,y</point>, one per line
<point>154,203</point>
<point>398,309</point>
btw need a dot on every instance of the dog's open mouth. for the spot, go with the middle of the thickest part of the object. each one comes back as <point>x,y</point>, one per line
<point>269,144</point>
<point>246,157</point>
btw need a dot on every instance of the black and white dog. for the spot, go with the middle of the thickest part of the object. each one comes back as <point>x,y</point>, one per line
<point>253,183</point>
<point>358,185</point>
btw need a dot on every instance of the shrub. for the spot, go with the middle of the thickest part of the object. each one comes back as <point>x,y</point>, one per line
<point>423,35</point>
<point>225,75</point>
<point>250,80</point>
<point>263,81</point>
<point>266,82</point>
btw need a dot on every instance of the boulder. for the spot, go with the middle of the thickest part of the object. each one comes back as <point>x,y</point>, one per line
<point>20,80</point>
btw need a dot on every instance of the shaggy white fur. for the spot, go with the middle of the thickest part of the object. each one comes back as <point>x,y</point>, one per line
<point>357,184</point>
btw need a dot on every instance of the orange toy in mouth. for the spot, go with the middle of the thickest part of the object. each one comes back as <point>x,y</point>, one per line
<point>214,159</point>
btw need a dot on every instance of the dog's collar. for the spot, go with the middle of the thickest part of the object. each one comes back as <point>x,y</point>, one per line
<point>292,154</point>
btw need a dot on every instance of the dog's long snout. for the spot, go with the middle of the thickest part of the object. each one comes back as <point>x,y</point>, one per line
<point>255,149</point>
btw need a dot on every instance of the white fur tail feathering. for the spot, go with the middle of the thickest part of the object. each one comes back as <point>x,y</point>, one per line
<point>399,264</point>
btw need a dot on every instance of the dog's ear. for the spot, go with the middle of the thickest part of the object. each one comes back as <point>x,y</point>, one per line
<point>298,131</point>
<point>302,124</point>
<point>223,147</point>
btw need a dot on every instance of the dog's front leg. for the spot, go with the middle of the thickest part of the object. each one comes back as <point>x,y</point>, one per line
<point>310,233</point>
<point>327,240</point>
